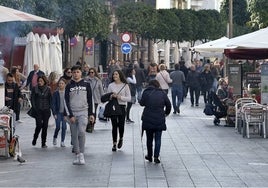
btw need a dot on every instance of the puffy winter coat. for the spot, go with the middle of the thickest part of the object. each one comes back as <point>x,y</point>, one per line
<point>157,107</point>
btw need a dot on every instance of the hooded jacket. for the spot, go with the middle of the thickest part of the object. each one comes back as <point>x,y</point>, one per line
<point>157,107</point>
<point>78,98</point>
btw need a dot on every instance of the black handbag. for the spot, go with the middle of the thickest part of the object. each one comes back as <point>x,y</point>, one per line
<point>32,113</point>
<point>106,97</point>
<point>112,108</point>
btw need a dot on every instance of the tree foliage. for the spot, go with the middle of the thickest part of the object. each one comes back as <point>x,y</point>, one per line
<point>241,16</point>
<point>88,18</point>
<point>168,25</point>
<point>137,18</point>
<point>186,24</point>
<point>240,13</point>
<point>258,13</point>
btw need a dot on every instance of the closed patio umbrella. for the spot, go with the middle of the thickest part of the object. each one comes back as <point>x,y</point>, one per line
<point>45,54</point>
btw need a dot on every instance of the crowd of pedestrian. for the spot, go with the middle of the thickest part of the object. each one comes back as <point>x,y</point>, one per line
<point>74,98</point>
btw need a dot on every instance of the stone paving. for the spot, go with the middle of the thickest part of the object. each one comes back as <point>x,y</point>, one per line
<point>194,153</point>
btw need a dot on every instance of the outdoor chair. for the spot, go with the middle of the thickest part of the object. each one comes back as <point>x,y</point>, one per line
<point>253,114</point>
<point>238,115</point>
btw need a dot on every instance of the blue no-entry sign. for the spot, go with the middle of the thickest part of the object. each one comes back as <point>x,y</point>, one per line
<point>126,48</point>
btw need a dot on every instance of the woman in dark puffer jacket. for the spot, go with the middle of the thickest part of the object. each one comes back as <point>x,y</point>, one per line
<point>157,107</point>
<point>41,104</point>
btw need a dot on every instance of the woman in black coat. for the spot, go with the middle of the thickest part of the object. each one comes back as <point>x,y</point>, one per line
<point>157,107</point>
<point>41,100</point>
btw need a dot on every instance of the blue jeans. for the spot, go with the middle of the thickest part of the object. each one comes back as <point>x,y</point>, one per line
<point>176,94</point>
<point>59,120</point>
<point>156,135</point>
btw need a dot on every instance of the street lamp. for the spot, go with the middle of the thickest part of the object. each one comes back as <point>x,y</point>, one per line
<point>159,54</point>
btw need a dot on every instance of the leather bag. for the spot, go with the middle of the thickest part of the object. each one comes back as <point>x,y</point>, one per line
<point>112,108</point>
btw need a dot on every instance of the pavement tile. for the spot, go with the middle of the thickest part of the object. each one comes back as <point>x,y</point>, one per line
<point>194,153</point>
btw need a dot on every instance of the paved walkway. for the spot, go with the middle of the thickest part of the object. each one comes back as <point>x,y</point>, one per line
<point>194,153</point>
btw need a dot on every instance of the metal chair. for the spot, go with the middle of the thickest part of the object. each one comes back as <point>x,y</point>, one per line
<point>254,115</point>
<point>238,115</point>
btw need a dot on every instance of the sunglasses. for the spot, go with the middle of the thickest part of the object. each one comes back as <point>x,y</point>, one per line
<point>69,72</point>
<point>91,72</point>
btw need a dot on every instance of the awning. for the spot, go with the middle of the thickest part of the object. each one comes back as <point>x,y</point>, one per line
<point>13,15</point>
<point>251,54</point>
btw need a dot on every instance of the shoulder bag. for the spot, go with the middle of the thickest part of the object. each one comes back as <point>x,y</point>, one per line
<point>112,108</point>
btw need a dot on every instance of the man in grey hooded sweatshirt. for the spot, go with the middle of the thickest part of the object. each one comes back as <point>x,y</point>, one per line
<point>78,99</point>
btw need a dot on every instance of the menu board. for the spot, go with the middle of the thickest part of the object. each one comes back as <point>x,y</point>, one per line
<point>253,79</point>
<point>235,78</point>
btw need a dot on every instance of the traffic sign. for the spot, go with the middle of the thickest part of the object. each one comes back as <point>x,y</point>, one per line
<point>126,48</point>
<point>125,37</point>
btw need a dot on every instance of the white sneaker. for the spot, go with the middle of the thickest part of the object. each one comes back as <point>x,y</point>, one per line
<point>62,144</point>
<point>82,159</point>
<point>77,161</point>
<point>54,141</point>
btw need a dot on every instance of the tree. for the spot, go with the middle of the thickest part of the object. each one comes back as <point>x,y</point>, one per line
<point>46,10</point>
<point>88,18</point>
<point>168,25</point>
<point>186,26</point>
<point>259,14</point>
<point>137,18</point>
<point>240,16</point>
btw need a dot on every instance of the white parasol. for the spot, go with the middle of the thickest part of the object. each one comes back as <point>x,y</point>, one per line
<point>59,54</point>
<point>55,58</point>
<point>30,56</point>
<point>45,54</point>
<point>39,61</point>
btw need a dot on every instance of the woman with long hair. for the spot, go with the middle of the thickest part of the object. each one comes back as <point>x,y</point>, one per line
<point>120,91</point>
<point>41,105</point>
<point>67,74</point>
<point>96,88</point>
<point>53,81</point>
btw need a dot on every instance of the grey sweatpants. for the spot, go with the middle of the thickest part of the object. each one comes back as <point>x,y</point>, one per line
<point>78,130</point>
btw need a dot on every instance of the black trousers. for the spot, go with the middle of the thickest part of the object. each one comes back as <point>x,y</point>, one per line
<point>42,124</point>
<point>194,95</point>
<point>118,124</point>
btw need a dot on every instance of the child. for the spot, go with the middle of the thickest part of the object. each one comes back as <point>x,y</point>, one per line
<point>57,110</point>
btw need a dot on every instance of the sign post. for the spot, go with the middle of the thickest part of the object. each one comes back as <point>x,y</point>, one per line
<point>126,37</point>
<point>126,48</point>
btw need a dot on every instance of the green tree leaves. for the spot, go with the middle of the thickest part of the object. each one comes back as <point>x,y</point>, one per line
<point>259,15</point>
